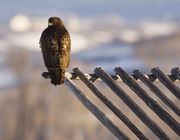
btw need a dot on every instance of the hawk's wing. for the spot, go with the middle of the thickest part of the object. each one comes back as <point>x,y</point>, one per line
<point>64,42</point>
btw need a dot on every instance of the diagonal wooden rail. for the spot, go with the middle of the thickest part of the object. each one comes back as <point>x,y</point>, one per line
<point>176,73</point>
<point>157,91</point>
<point>110,105</point>
<point>131,104</point>
<point>150,102</point>
<point>166,82</point>
<point>132,81</point>
<point>94,110</point>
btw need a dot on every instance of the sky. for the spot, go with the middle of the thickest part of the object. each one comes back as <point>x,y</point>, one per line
<point>130,9</point>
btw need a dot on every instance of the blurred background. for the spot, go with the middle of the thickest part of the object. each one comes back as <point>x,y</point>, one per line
<point>139,34</point>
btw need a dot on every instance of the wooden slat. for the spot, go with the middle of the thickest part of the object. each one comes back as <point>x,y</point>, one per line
<point>166,82</point>
<point>110,105</point>
<point>157,91</point>
<point>131,104</point>
<point>131,80</point>
<point>176,73</point>
<point>150,102</point>
<point>94,110</point>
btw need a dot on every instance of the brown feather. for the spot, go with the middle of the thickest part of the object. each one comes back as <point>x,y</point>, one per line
<point>55,44</point>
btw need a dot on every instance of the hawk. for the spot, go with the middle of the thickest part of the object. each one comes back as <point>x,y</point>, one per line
<point>55,45</point>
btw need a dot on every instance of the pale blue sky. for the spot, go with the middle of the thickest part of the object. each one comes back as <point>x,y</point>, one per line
<point>130,9</point>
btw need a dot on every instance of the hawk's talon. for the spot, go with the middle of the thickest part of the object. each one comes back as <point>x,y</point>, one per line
<point>46,75</point>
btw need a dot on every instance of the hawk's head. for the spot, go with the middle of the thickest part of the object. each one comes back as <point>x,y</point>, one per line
<point>55,21</point>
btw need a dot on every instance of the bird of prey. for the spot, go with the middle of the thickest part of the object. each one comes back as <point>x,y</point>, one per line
<point>55,45</point>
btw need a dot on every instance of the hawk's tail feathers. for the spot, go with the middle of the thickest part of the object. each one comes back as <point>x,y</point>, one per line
<point>57,76</point>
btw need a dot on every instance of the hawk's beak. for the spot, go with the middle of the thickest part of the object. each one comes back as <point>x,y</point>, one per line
<point>50,24</point>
